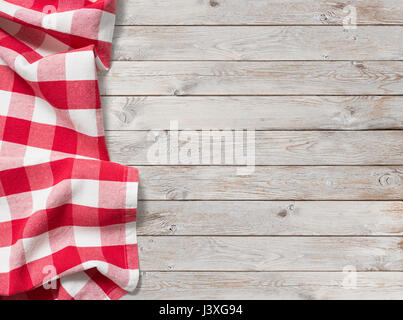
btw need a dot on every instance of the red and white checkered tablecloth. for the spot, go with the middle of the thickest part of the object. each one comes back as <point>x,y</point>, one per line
<point>67,214</point>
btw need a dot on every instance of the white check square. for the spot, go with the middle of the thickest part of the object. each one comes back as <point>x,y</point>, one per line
<point>44,112</point>
<point>131,195</point>
<point>87,236</point>
<point>85,121</point>
<point>58,21</point>
<point>5,259</point>
<point>105,31</point>
<point>74,283</point>
<point>37,247</point>
<point>80,65</point>
<point>5,99</point>
<point>85,192</point>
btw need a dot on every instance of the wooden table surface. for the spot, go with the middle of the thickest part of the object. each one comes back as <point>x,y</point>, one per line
<point>327,106</point>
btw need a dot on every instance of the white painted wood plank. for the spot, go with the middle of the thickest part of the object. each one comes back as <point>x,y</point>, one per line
<point>256,12</point>
<point>258,113</point>
<point>270,253</point>
<point>271,183</point>
<point>267,285</point>
<point>258,43</point>
<point>253,78</point>
<point>262,218</point>
<point>271,148</point>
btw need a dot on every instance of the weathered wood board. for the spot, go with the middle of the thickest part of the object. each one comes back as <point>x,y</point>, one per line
<point>254,78</point>
<point>259,43</point>
<point>270,253</point>
<point>271,147</point>
<point>268,218</point>
<point>254,112</point>
<point>267,285</point>
<point>257,12</point>
<point>271,183</point>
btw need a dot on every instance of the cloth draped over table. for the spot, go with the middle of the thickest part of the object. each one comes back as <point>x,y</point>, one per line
<point>67,214</point>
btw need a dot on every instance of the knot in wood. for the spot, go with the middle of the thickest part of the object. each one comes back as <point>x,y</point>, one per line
<point>172,228</point>
<point>176,193</point>
<point>389,179</point>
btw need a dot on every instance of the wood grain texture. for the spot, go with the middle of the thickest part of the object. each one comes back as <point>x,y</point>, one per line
<point>271,183</point>
<point>253,78</point>
<point>257,113</point>
<point>263,218</point>
<point>256,12</point>
<point>267,285</point>
<point>270,253</point>
<point>271,148</point>
<point>323,196</point>
<point>258,43</point>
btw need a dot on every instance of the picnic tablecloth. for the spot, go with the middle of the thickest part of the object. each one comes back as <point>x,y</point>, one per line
<point>67,214</point>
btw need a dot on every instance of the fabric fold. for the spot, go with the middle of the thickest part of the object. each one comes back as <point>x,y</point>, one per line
<point>67,214</point>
